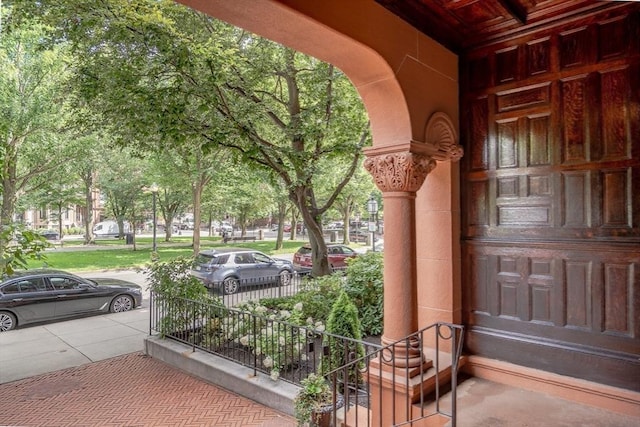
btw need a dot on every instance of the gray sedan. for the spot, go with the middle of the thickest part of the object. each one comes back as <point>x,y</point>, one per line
<point>41,295</point>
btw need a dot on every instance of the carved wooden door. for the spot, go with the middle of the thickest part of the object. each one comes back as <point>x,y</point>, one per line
<point>551,199</point>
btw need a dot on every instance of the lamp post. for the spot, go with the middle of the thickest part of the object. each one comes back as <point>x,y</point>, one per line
<point>154,192</point>
<point>372,208</point>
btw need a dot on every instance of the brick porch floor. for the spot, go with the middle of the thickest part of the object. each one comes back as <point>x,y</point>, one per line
<point>129,390</point>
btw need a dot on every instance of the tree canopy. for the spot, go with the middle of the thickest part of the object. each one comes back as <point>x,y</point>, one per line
<point>160,77</point>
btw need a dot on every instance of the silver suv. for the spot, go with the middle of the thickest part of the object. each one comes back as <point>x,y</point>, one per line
<point>228,269</point>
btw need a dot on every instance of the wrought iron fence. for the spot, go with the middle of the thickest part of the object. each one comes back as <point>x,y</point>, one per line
<point>358,371</point>
<point>261,341</point>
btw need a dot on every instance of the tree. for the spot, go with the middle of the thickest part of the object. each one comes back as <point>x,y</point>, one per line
<point>122,194</point>
<point>296,115</point>
<point>32,109</point>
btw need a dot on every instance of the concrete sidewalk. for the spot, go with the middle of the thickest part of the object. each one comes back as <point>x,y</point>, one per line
<point>37,350</point>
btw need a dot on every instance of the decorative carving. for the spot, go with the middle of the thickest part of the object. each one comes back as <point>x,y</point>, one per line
<point>441,133</point>
<point>403,171</point>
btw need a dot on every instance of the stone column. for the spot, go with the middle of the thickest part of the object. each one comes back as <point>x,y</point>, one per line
<point>399,171</point>
<point>399,175</point>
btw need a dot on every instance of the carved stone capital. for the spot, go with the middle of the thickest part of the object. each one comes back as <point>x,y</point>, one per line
<point>403,171</point>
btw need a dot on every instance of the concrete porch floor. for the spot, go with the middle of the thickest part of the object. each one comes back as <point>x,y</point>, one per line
<point>484,403</point>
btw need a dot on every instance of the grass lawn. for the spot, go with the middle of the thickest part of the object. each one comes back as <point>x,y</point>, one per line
<point>115,254</point>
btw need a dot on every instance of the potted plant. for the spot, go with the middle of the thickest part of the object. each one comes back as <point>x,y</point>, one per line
<point>313,405</point>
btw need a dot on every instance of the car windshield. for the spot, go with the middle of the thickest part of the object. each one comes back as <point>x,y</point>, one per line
<point>304,250</point>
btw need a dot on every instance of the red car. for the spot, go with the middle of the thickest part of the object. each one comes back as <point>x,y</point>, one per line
<point>337,256</point>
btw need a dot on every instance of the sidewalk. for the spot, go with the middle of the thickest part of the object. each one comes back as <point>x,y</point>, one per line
<point>128,390</point>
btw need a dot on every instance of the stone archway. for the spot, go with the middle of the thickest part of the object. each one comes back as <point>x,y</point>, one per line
<point>403,77</point>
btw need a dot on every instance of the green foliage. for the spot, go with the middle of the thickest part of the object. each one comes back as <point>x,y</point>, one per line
<point>177,292</point>
<point>314,394</point>
<point>318,294</point>
<point>365,285</point>
<point>276,337</point>
<point>19,245</point>
<point>343,321</point>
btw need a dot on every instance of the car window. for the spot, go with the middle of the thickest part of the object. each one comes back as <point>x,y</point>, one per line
<point>212,259</point>
<point>64,283</point>
<point>35,284</point>
<point>348,251</point>
<point>261,257</point>
<point>304,250</point>
<point>244,259</point>
<point>11,289</point>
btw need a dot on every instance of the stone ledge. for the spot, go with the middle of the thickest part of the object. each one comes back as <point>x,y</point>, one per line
<point>216,370</point>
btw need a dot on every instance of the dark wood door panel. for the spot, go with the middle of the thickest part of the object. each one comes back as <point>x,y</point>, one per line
<point>551,198</point>
<point>586,296</point>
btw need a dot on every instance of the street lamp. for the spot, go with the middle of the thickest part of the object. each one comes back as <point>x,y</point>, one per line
<point>372,208</point>
<point>154,192</point>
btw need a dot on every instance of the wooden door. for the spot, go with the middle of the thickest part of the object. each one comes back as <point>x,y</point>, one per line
<point>551,198</point>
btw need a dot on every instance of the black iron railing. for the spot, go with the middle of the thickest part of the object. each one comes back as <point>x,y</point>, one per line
<point>358,371</point>
<point>361,381</point>
<point>263,341</point>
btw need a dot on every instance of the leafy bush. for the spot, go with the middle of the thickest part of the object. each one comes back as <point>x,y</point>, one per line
<point>278,338</point>
<point>318,294</point>
<point>364,285</point>
<point>18,245</point>
<point>181,296</point>
<point>312,397</point>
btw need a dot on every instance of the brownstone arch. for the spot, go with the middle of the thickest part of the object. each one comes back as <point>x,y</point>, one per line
<point>546,97</point>
<point>403,81</point>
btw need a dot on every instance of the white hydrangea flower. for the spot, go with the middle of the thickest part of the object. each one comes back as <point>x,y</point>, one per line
<point>244,340</point>
<point>268,362</point>
<point>281,340</point>
<point>304,357</point>
<point>298,307</point>
<point>285,314</point>
<point>275,374</point>
<point>320,327</point>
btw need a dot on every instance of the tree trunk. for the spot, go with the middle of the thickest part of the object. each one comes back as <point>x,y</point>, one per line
<point>197,213</point>
<point>88,217</point>
<point>8,193</point>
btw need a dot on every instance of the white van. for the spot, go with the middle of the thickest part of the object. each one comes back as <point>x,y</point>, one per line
<point>109,229</point>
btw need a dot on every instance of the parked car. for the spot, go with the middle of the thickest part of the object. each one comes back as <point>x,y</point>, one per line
<point>44,294</point>
<point>228,269</point>
<point>49,234</point>
<point>287,227</point>
<point>337,254</point>
<point>360,235</point>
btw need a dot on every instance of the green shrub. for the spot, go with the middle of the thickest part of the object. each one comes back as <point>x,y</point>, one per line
<point>174,289</point>
<point>343,321</point>
<point>364,285</point>
<point>318,294</point>
<point>276,337</point>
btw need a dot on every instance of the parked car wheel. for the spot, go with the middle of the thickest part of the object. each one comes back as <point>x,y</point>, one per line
<point>121,303</point>
<point>285,278</point>
<point>230,286</point>
<point>7,321</point>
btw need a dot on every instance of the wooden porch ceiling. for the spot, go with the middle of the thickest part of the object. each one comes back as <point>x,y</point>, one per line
<point>461,25</point>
